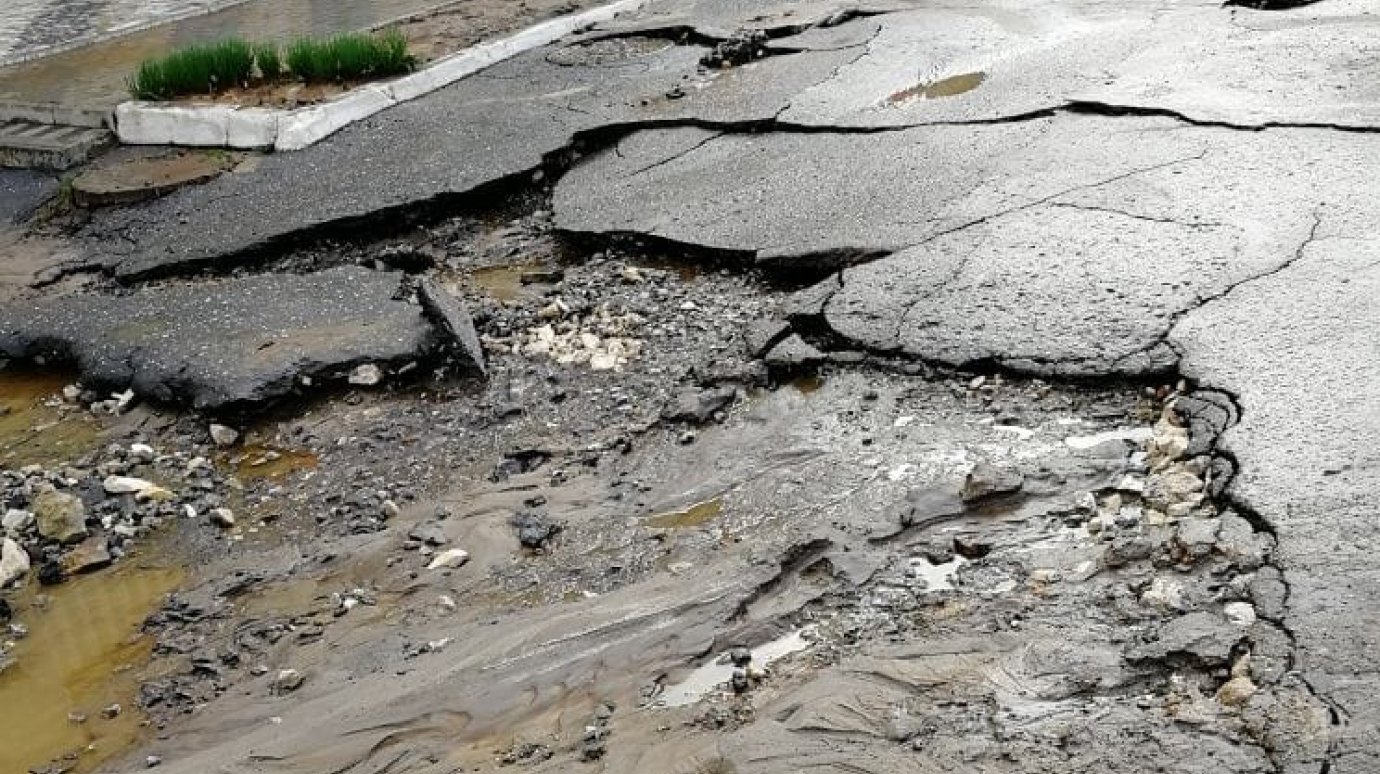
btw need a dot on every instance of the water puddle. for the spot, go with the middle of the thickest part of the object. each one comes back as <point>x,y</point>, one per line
<point>717,673</point>
<point>1135,435</point>
<point>260,461</point>
<point>807,385</point>
<point>694,516</point>
<point>504,283</point>
<point>945,87</point>
<point>78,660</point>
<point>34,429</point>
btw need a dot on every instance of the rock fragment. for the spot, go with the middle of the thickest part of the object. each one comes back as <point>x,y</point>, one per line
<point>449,559</point>
<point>987,480</point>
<point>287,681</point>
<point>61,516</point>
<point>14,562</point>
<point>91,555</point>
<point>224,436</point>
<point>366,375</point>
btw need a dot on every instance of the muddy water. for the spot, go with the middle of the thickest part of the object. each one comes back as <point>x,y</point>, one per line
<point>945,87</point>
<point>504,283</point>
<point>710,677</point>
<point>79,658</point>
<point>258,461</point>
<point>31,431</point>
<point>694,516</point>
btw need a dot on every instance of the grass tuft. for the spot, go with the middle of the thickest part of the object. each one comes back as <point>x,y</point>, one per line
<point>198,69</point>
<point>206,69</point>
<point>350,57</point>
<point>268,60</point>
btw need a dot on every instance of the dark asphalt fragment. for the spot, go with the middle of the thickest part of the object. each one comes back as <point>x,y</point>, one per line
<point>219,344</point>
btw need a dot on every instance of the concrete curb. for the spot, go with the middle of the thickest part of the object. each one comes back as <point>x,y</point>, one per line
<point>230,126</point>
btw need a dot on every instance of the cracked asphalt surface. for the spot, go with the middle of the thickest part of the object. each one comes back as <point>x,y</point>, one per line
<point>1130,193</point>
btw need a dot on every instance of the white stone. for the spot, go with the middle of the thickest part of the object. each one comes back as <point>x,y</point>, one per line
<point>222,517</point>
<point>14,562</point>
<point>223,435</point>
<point>287,680</point>
<point>142,452</point>
<point>17,521</point>
<point>140,488</point>
<point>1239,613</point>
<point>450,558</point>
<point>366,375</point>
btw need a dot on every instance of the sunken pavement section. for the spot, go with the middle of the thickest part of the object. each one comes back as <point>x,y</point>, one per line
<point>1121,191</point>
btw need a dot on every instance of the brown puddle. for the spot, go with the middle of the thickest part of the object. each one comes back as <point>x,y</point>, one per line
<point>31,432</point>
<point>694,516</point>
<point>503,282</point>
<point>79,658</point>
<point>260,461</point>
<point>946,87</point>
<point>807,385</point>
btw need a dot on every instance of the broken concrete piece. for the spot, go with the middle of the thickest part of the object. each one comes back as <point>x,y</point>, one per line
<point>226,342</point>
<point>454,320</point>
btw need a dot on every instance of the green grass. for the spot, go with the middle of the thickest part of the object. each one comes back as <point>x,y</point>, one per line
<point>350,57</point>
<point>198,69</point>
<point>206,69</point>
<point>268,60</point>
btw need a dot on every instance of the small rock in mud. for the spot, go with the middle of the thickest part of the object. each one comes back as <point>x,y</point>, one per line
<point>430,533</point>
<point>14,562</point>
<point>449,559</point>
<point>16,521</point>
<point>222,517</point>
<point>224,436</point>
<point>61,516</point>
<point>987,480</point>
<point>700,406</point>
<point>366,375</point>
<point>92,554</point>
<point>534,530</point>
<point>287,680</point>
